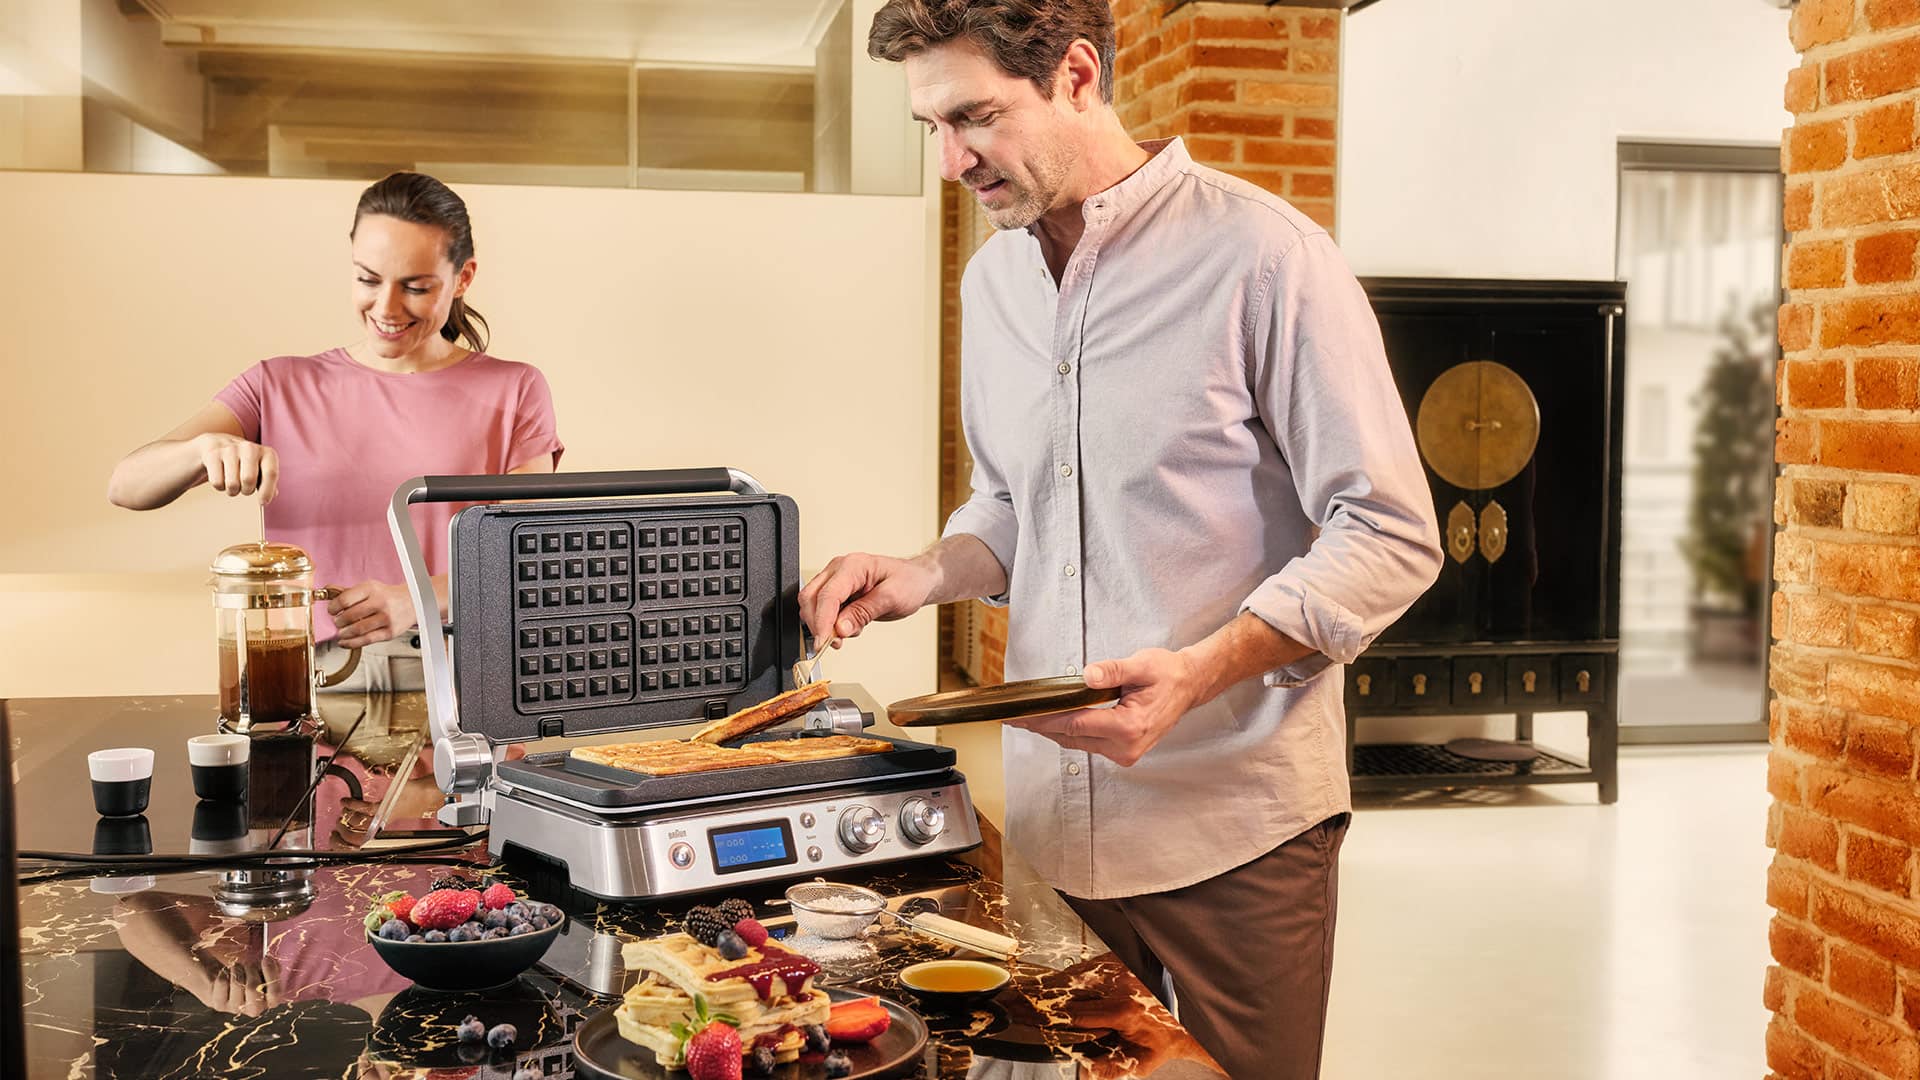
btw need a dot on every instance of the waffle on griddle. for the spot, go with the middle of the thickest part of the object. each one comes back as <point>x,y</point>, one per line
<point>754,718</point>
<point>671,757</point>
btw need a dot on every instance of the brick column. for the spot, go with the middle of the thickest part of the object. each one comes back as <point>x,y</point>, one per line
<point>1845,989</point>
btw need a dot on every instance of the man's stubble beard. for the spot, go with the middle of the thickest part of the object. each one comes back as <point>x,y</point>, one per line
<point>1049,170</point>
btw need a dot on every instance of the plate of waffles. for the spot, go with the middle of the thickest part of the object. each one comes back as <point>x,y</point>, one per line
<point>600,1051</point>
<point>765,992</point>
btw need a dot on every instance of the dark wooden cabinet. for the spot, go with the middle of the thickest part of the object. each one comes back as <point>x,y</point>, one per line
<point>1515,391</point>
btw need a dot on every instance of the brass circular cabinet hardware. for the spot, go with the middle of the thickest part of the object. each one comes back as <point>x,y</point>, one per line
<point>1478,425</point>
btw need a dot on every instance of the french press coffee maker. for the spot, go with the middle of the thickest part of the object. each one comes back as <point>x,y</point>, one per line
<point>263,598</point>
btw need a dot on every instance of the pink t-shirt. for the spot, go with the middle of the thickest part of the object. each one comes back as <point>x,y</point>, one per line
<point>347,435</point>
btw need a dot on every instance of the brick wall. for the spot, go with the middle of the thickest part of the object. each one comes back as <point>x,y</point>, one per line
<point>1253,90</point>
<point>1845,937</point>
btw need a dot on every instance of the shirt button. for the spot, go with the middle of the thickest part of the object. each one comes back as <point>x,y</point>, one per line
<point>1066,470</point>
<point>1065,368</point>
<point>1073,768</point>
<point>1072,670</point>
<point>1069,570</point>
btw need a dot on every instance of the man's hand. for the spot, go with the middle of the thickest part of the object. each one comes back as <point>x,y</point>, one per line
<point>1157,687</point>
<point>858,589</point>
<point>371,611</point>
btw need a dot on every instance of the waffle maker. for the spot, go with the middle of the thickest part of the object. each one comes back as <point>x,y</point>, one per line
<point>631,601</point>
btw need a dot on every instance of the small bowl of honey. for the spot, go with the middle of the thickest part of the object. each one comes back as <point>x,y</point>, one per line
<point>952,985</point>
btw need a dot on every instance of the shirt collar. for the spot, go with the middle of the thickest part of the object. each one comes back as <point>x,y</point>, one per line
<point>1169,160</point>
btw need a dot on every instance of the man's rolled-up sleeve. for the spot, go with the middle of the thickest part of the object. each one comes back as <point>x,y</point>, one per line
<point>1324,391</point>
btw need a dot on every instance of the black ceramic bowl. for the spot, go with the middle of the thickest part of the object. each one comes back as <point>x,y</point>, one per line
<point>952,985</point>
<point>453,966</point>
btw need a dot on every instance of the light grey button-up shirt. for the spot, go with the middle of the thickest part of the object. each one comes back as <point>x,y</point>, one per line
<point>1198,421</point>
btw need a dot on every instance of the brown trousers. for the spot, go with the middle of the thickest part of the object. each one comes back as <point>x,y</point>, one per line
<point>1250,953</point>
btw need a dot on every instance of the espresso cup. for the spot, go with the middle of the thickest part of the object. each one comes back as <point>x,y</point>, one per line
<point>219,828</point>
<point>219,764</point>
<point>122,779</point>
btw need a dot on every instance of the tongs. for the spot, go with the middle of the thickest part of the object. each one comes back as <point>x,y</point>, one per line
<point>806,670</point>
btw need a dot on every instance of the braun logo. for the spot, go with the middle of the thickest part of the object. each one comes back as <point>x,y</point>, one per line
<point>676,834</point>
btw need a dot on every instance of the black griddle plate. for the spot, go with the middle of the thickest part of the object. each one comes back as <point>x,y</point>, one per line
<point>598,785</point>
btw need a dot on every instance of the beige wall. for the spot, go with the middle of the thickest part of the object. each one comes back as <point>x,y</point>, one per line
<point>788,335</point>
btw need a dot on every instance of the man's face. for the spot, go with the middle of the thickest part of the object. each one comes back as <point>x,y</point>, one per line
<point>1013,148</point>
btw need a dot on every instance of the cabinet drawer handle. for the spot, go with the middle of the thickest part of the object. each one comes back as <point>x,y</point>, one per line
<point>1419,684</point>
<point>1473,682</point>
<point>1528,680</point>
<point>1584,681</point>
<point>1366,685</point>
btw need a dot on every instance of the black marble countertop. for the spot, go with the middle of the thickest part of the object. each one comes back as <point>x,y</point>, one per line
<point>211,972</point>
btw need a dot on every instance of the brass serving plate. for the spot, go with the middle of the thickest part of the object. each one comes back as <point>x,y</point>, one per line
<point>1007,701</point>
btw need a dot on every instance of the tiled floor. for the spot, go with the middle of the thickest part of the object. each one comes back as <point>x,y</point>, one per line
<point>1535,934</point>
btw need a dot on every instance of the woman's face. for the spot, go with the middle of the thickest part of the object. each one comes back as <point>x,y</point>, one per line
<point>404,286</point>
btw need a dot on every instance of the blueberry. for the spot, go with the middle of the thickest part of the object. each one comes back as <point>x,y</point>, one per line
<point>497,917</point>
<point>731,945</point>
<point>501,1036</point>
<point>394,930</point>
<point>471,1030</point>
<point>473,1052</point>
<point>764,1061</point>
<point>496,932</point>
<point>516,911</point>
<point>838,1064</point>
<point>551,913</point>
<point>537,923</point>
<point>435,936</point>
<point>459,933</point>
<point>416,938</point>
<point>519,928</point>
<point>817,1040</point>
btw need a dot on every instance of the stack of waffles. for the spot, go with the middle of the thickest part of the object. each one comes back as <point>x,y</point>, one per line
<point>769,992</point>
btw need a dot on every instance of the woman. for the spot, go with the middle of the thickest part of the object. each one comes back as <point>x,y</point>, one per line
<point>324,440</point>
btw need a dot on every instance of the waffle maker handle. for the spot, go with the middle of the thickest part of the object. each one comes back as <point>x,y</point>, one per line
<point>463,761</point>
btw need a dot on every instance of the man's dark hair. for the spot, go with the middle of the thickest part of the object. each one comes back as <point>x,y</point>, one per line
<point>1024,38</point>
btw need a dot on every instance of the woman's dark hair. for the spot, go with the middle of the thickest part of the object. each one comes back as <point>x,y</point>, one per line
<point>1025,38</point>
<point>421,200</point>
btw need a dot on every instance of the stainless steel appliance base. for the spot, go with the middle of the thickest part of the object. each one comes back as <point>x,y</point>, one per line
<point>673,851</point>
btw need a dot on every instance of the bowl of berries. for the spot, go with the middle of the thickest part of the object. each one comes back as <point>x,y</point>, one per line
<point>462,935</point>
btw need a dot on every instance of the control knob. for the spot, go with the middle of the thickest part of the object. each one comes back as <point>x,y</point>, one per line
<point>921,821</point>
<point>861,829</point>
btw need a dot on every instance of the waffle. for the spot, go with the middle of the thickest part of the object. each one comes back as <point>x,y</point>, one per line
<point>764,715</point>
<point>670,757</point>
<point>677,966</point>
<point>819,747</point>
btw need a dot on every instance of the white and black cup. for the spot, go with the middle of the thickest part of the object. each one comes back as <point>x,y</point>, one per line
<point>122,779</point>
<point>219,764</point>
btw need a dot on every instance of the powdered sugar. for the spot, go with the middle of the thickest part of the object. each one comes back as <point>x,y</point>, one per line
<point>828,950</point>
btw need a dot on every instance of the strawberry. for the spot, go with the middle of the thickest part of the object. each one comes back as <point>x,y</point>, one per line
<point>496,897</point>
<point>444,909</point>
<point>401,907</point>
<point>751,932</point>
<point>713,1053</point>
<point>858,1021</point>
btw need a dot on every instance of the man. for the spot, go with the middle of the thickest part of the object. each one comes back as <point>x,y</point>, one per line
<point>1191,469</point>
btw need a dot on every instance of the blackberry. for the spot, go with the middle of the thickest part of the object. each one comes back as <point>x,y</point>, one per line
<point>451,881</point>
<point>735,910</point>
<point>704,924</point>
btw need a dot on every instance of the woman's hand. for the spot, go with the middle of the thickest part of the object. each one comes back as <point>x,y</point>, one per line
<point>371,611</point>
<point>238,467</point>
